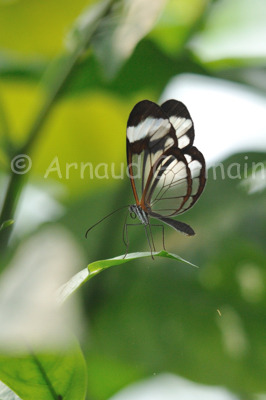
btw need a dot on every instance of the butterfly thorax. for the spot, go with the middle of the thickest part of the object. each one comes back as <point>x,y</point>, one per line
<point>140,213</point>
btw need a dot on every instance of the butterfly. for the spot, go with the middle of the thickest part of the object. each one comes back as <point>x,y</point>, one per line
<point>167,173</point>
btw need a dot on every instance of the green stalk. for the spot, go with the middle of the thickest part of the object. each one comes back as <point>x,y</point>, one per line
<point>4,127</point>
<point>58,81</point>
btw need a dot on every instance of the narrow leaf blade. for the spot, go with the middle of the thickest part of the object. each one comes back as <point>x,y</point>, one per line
<point>98,266</point>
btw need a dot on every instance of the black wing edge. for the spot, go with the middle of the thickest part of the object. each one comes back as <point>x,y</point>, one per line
<point>177,225</point>
<point>143,110</point>
<point>178,109</point>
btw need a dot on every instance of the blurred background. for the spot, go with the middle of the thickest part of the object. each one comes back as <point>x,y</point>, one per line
<point>149,329</point>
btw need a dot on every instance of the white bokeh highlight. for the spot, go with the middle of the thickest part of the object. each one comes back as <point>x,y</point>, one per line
<point>228,117</point>
<point>171,387</point>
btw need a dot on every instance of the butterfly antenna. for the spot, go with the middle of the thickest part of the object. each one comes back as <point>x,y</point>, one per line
<point>113,212</point>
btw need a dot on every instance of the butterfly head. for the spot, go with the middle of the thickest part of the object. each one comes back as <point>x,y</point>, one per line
<point>137,211</point>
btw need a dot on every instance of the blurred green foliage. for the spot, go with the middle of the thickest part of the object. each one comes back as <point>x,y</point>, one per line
<point>148,316</point>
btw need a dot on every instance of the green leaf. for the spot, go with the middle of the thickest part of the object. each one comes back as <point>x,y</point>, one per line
<point>98,266</point>
<point>135,77</point>
<point>45,376</point>
<point>86,23</point>
<point>118,34</point>
<point>6,224</point>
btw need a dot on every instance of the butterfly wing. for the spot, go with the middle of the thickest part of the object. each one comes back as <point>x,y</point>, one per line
<point>169,175</point>
<point>179,181</point>
<point>149,134</point>
<point>181,120</point>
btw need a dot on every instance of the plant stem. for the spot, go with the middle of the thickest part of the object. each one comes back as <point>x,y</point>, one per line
<point>5,127</point>
<point>59,79</point>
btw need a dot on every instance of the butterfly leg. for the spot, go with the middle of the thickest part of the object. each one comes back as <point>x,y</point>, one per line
<point>124,231</point>
<point>153,245</point>
<point>148,239</point>
<point>126,241</point>
<point>161,226</point>
<point>125,235</point>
